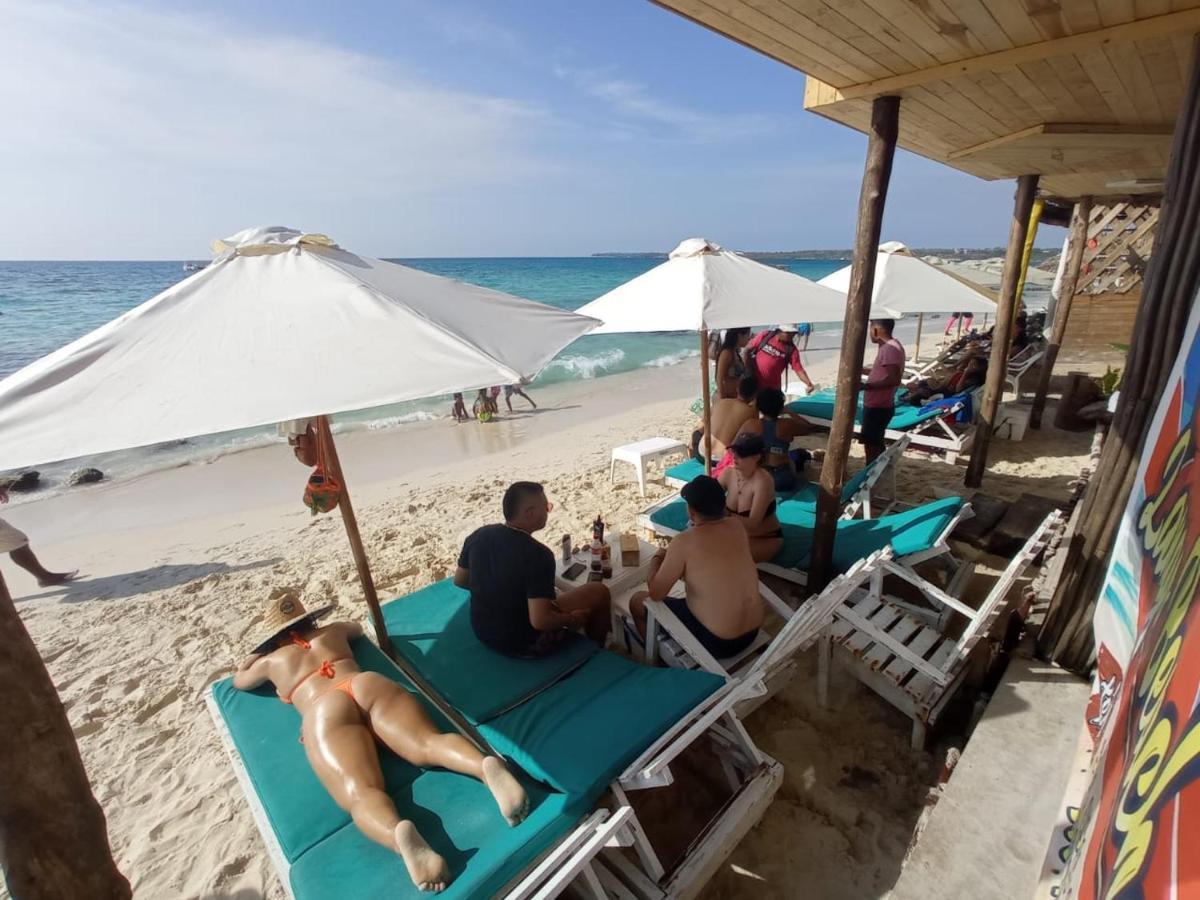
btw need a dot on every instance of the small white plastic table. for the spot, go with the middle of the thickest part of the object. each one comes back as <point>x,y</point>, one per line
<point>625,579</point>
<point>637,454</point>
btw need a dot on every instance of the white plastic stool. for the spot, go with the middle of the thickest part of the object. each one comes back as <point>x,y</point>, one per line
<point>637,454</point>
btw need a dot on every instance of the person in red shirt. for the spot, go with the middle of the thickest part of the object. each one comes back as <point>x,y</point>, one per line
<point>771,352</point>
<point>879,390</point>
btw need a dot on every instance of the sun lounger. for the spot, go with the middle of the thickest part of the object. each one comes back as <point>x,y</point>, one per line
<point>591,722</point>
<point>915,535</point>
<point>903,653</point>
<point>1020,364</point>
<point>856,492</point>
<point>319,853</point>
<point>769,659</point>
<point>928,429</point>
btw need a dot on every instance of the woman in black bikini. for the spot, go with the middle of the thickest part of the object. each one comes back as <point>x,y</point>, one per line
<point>750,495</point>
<point>731,367</point>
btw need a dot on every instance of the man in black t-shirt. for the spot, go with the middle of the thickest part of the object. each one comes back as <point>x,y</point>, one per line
<point>510,575</point>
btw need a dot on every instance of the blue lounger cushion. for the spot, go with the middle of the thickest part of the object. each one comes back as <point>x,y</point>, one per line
<point>329,857</point>
<point>585,726</point>
<point>908,532</point>
<point>431,629</point>
<point>906,417</point>
<point>686,470</point>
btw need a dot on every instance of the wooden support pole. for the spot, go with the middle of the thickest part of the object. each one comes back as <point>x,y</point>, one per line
<point>1002,335</point>
<point>1035,219</point>
<point>920,324</point>
<point>881,148</point>
<point>1062,309</point>
<point>428,691</point>
<point>706,442</point>
<point>53,835</point>
<point>1171,285</point>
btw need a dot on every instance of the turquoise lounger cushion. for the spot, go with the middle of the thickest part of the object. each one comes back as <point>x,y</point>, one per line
<point>456,814</point>
<point>906,417</point>
<point>431,629</point>
<point>686,470</point>
<point>908,532</point>
<point>458,817</point>
<point>585,730</point>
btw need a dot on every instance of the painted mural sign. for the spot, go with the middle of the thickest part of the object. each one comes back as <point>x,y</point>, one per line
<point>1138,827</point>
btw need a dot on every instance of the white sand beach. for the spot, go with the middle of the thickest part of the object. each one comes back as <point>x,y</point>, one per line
<point>178,564</point>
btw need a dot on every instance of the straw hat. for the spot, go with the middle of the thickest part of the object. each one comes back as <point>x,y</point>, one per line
<point>282,613</point>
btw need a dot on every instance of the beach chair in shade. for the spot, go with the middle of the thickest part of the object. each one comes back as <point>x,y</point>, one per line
<point>928,429</point>
<point>770,660</point>
<point>319,853</point>
<point>904,653</point>
<point>1020,364</point>
<point>915,535</point>
<point>856,492</point>
<point>587,723</point>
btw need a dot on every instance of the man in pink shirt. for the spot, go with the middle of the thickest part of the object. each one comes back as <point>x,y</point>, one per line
<point>772,351</point>
<point>879,390</point>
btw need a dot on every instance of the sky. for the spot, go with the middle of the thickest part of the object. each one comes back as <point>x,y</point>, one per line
<point>411,128</point>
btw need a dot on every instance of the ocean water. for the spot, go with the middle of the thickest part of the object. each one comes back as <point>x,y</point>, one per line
<point>44,305</point>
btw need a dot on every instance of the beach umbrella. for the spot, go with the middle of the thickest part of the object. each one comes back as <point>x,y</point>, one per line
<point>906,284</point>
<point>702,287</point>
<point>281,325</point>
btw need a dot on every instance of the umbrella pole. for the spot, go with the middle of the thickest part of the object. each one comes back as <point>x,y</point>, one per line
<point>920,322</point>
<point>356,544</point>
<point>368,584</point>
<point>706,443</point>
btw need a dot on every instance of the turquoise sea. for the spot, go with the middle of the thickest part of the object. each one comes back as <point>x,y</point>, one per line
<point>44,305</point>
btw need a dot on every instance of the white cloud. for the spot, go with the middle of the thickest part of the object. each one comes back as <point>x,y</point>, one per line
<point>638,105</point>
<point>125,120</point>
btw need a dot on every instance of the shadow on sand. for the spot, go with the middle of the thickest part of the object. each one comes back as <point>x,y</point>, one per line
<point>127,584</point>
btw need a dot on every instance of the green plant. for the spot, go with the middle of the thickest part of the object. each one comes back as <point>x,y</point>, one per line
<point>1109,381</point>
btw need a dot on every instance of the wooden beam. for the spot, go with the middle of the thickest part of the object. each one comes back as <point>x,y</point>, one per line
<point>1171,284</point>
<point>53,835</point>
<point>1062,309</point>
<point>706,441</point>
<point>1002,335</point>
<point>1151,135</point>
<point>881,149</point>
<point>1155,27</point>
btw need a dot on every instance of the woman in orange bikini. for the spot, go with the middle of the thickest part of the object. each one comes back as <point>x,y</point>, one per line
<point>345,711</point>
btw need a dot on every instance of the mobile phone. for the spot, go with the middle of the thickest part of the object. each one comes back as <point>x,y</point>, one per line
<point>574,571</point>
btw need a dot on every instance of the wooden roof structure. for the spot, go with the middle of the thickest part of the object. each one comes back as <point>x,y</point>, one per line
<point>1084,93</point>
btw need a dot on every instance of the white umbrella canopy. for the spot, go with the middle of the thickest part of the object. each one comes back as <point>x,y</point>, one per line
<point>281,325</point>
<point>907,284</point>
<point>703,287</point>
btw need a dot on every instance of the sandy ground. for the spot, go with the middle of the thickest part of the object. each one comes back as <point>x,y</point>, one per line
<point>179,564</point>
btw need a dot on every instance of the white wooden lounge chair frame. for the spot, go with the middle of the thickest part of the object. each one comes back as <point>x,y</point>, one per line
<point>770,660</point>
<point>1020,364</point>
<point>933,434</point>
<point>903,658</point>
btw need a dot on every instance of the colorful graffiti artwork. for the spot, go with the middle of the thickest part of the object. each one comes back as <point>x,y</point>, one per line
<point>1139,825</point>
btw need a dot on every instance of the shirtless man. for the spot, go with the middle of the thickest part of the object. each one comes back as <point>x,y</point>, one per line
<point>344,711</point>
<point>712,556</point>
<point>728,416</point>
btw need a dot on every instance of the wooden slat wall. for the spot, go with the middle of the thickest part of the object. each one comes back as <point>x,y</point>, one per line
<point>1099,320</point>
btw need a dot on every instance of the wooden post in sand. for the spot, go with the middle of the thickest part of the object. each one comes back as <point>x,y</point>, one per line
<point>881,148</point>
<point>53,835</point>
<point>325,435</point>
<point>706,441</point>
<point>1002,336</point>
<point>1062,309</point>
<point>1171,285</point>
<point>920,324</point>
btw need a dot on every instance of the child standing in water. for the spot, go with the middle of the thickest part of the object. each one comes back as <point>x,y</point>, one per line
<point>459,411</point>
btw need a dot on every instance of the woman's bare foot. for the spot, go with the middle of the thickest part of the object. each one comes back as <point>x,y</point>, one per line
<point>510,796</point>
<point>427,870</point>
